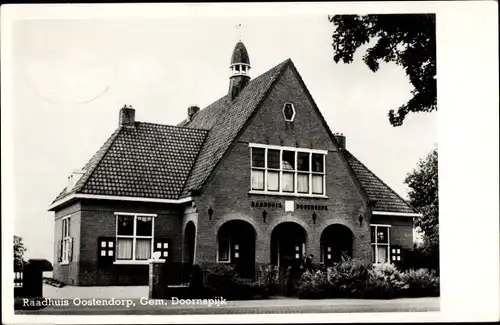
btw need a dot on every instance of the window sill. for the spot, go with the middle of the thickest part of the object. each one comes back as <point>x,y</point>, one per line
<point>64,263</point>
<point>312,196</point>
<point>131,262</point>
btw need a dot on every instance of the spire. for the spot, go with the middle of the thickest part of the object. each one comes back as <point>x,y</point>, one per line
<point>240,67</point>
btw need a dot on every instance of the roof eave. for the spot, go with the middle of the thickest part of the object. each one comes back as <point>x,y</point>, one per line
<point>76,196</point>
<point>397,214</point>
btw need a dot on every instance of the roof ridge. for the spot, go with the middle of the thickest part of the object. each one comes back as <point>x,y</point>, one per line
<point>181,192</point>
<point>173,126</point>
<point>279,71</point>
<point>248,101</point>
<point>187,122</point>
<point>380,180</point>
<point>353,175</point>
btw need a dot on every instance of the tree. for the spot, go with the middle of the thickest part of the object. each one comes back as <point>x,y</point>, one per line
<point>19,250</point>
<point>423,184</point>
<point>409,40</point>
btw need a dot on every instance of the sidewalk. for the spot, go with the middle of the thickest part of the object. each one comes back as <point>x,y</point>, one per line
<point>118,292</point>
<point>281,305</point>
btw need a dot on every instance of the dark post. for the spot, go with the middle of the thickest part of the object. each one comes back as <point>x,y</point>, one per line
<point>33,277</point>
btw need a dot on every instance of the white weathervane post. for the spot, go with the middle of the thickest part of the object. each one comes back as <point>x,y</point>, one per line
<point>238,28</point>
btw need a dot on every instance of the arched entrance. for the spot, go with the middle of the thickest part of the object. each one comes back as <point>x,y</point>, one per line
<point>189,242</point>
<point>335,240</point>
<point>288,241</point>
<point>236,245</point>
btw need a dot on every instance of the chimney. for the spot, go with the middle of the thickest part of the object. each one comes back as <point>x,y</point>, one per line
<point>127,116</point>
<point>340,138</point>
<point>192,110</point>
<point>73,178</point>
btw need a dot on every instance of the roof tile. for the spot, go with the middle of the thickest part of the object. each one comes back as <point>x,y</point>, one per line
<point>225,118</point>
<point>167,162</point>
<point>385,198</point>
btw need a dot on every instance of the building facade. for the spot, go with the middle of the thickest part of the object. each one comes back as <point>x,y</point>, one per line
<point>255,178</point>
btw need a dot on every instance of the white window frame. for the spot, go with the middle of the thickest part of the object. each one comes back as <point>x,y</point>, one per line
<point>134,237</point>
<point>293,114</point>
<point>66,239</point>
<point>243,69</point>
<point>228,253</point>
<point>376,244</point>
<point>295,171</point>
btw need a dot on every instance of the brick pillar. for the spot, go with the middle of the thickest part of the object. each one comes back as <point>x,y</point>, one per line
<point>262,251</point>
<point>157,283</point>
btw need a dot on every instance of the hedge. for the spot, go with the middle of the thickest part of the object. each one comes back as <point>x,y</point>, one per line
<point>352,279</point>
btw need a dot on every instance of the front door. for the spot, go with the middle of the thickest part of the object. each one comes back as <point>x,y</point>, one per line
<point>243,256</point>
<point>290,253</point>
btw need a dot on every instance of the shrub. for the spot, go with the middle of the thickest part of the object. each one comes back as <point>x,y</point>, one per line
<point>313,285</point>
<point>421,283</point>
<point>219,278</point>
<point>347,278</point>
<point>267,280</point>
<point>384,282</point>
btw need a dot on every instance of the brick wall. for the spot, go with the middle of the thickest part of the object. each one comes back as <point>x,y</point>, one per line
<point>94,219</point>
<point>401,232</point>
<point>67,273</point>
<point>227,190</point>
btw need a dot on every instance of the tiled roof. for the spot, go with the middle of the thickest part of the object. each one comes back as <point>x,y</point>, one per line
<point>225,118</point>
<point>385,198</point>
<point>168,162</point>
<point>148,160</point>
<point>90,166</point>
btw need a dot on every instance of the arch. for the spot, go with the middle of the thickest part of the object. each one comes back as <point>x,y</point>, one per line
<point>287,218</point>
<point>225,219</point>
<point>336,240</point>
<point>236,245</point>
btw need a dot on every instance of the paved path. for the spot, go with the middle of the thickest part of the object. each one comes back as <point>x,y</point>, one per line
<point>268,306</point>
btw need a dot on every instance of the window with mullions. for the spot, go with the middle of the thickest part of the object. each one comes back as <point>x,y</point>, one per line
<point>134,237</point>
<point>287,171</point>
<point>380,241</point>
<point>66,242</point>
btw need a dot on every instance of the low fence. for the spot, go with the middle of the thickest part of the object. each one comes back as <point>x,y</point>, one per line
<point>18,283</point>
<point>179,275</point>
<point>18,279</point>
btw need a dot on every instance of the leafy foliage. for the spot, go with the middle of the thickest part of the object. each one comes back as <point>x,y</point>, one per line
<point>385,281</point>
<point>314,285</point>
<point>19,250</point>
<point>268,279</point>
<point>409,40</point>
<point>421,283</point>
<point>350,278</point>
<point>423,194</point>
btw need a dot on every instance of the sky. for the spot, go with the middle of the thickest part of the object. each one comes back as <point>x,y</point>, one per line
<point>71,77</point>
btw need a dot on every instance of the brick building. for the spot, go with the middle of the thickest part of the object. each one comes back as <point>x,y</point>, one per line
<point>255,178</point>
